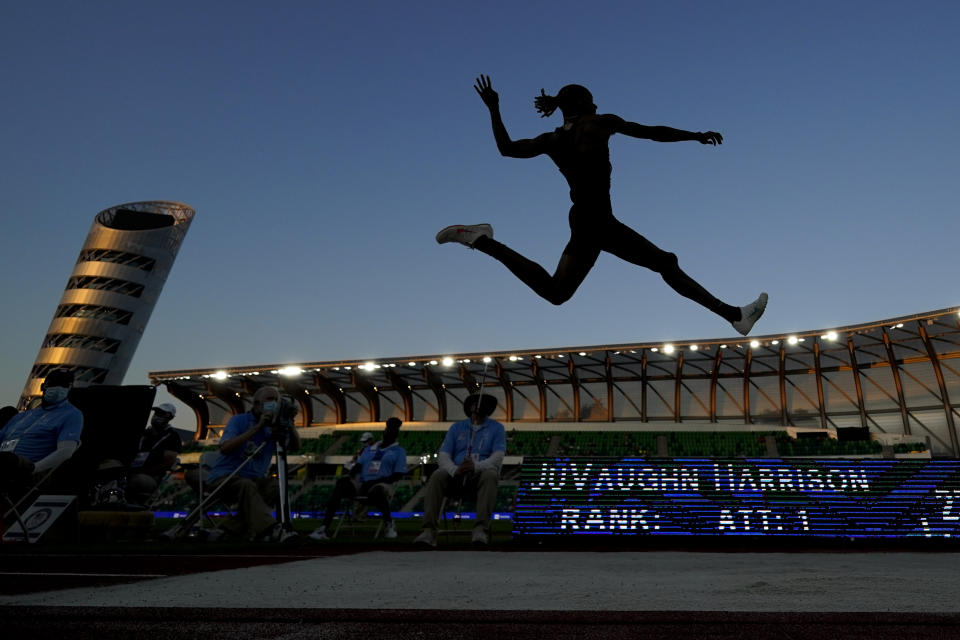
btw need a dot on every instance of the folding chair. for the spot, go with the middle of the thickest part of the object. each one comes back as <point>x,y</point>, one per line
<point>349,516</point>
<point>29,497</point>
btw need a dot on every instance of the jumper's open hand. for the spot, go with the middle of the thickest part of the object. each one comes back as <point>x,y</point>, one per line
<point>710,137</point>
<point>486,92</point>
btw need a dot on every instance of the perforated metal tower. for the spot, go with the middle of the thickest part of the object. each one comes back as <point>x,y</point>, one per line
<point>111,293</point>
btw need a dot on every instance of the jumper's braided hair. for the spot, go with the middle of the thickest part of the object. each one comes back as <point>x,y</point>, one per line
<point>568,97</point>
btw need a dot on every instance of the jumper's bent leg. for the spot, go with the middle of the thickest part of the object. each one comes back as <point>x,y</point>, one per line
<point>556,288</point>
<point>627,244</point>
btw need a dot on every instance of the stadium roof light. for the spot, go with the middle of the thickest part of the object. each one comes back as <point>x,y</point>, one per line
<point>694,347</point>
<point>723,346</point>
<point>754,344</point>
<point>433,363</point>
<point>830,335</point>
<point>486,359</point>
<point>411,364</point>
<point>775,342</point>
<point>793,340</point>
<point>448,361</point>
<point>668,348</point>
<point>655,349</point>
<point>291,372</point>
<point>220,375</point>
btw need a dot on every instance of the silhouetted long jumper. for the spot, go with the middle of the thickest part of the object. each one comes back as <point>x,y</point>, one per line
<point>580,149</point>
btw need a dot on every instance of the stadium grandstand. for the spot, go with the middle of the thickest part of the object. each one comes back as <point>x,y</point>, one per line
<point>879,390</point>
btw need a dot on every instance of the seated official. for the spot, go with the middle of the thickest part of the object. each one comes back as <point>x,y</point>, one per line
<point>469,465</point>
<point>374,476</point>
<point>37,441</point>
<point>250,487</point>
<point>157,454</point>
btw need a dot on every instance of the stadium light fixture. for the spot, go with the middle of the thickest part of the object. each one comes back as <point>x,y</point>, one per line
<point>775,342</point>
<point>291,372</point>
<point>583,353</point>
<point>668,348</point>
<point>694,347</point>
<point>411,364</point>
<point>754,344</point>
<point>448,361</point>
<point>723,346</point>
<point>512,358</point>
<point>899,325</point>
<point>220,375</point>
<point>793,340</point>
<point>486,359</point>
<point>655,349</point>
<point>830,335</point>
<point>433,363</point>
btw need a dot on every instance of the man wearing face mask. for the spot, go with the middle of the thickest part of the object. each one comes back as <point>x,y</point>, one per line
<point>250,488</point>
<point>159,447</point>
<point>469,459</point>
<point>38,440</point>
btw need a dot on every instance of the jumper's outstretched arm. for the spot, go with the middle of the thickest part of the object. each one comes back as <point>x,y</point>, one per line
<point>523,148</point>
<point>662,134</point>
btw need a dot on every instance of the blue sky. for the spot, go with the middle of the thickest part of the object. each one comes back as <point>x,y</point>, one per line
<point>324,144</point>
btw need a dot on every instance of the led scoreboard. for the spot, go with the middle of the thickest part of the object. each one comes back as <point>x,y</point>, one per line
<point>769,497</point>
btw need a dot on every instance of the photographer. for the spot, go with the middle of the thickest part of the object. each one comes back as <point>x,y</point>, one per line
<point>251,435</point>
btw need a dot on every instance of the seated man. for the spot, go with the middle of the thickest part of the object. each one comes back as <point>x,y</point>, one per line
<point>374,476</point>
<point>37,441</point>
<point>250,487</point>
<point>469,460</point>
<point>159,447</point>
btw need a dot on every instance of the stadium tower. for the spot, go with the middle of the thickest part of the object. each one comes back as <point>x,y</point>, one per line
<point>111,293</point>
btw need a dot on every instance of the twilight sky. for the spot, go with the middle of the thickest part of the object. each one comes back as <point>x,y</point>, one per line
<point>323,144</point>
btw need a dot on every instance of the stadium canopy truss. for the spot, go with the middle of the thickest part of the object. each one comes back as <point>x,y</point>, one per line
<point>894,376</point>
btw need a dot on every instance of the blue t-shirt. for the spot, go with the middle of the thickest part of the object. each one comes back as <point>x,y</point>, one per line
<point>378,463</point>
<point>38,431</point>
<point>462,441</point>
<point>227,462</point>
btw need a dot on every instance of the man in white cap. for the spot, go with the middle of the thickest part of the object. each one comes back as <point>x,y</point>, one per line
<point>158,451</point>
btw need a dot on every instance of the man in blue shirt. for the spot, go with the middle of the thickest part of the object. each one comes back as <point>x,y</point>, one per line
<point>469,459</point>
<point>250,487</point>
<point>41,439</point>
<point>374,476</point>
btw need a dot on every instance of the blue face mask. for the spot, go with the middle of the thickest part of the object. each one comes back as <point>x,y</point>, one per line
<point>53,395</point>
<point>268,407</point>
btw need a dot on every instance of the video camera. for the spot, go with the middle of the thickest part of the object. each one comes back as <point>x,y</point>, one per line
<point>287,410</point>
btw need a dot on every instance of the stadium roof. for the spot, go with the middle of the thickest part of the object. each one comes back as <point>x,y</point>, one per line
<point>899,375</point>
